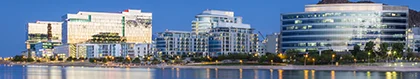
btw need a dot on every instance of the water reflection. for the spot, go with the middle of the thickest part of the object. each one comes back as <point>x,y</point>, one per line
<point>313,74</point>
<point>55,72</point>
<point>280,74</point>
<point>332,74</point>
<point>305,74</point>
<point>58,72</point>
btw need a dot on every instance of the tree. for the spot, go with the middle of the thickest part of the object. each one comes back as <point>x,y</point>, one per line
<point>136,60</point>
<point>70,59</point>
<point>292,53</point>
<point>18,58</point>
<point>356,49</point>
<point>92,60</point>
<point>397,49</point>
<point>52,58</point>
<point>30,59</point>
<point>119,59</point>
<point>383,49</point>
<point>369,46</point>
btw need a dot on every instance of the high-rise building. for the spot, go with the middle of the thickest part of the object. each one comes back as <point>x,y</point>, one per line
<point>272,43</point>
<point>38,32</point>
<point>340,26</point>
<point>209,19</point>
<point>214,32</point>
<point>134,25</point>
<point>181,43</point>
<point>232,38</point>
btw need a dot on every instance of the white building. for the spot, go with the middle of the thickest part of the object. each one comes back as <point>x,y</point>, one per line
<point>182,43</point>
<point>272,43</point>
<point>113,50</point>
<point>414,39</point>
<point>38,32</point>
<point>143,50</point>
<point>209,19</point>
<point>134,25</point>
<point>214,32</point>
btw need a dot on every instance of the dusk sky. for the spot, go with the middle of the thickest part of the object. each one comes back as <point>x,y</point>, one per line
<point>263,15</point>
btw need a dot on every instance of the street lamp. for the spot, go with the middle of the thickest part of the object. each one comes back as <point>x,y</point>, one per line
<point>271,62</point>
<point>332,59</point>
<point>355,60</point>
<point>306,56</point>
<point>368,58</point>
<point>387,57</point>
<point>313,60</point>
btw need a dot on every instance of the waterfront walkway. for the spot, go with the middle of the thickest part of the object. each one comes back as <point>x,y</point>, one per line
<point>402,67</point>
<point>325,67</point>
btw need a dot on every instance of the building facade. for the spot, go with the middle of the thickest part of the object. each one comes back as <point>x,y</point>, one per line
<point>414,39</point>
<point>134,25</point>
<point>209,19</point>
<point>230,39</point>
<point>342,26</point>
<point>38,32</point>
<point>272,43</point>
<point>181,43</point>
<point>45,49</point>
<point>214,32</point>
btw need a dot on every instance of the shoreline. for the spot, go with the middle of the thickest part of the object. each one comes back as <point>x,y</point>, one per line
<point>289,67</point>
<point>322,68</point>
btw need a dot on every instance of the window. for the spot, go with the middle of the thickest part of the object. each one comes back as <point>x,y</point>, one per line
<point>298,21</point>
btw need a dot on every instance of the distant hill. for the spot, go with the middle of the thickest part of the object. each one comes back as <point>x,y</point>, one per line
<point>414,18</point>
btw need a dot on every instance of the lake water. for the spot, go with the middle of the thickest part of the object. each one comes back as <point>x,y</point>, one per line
<point>57,72</point>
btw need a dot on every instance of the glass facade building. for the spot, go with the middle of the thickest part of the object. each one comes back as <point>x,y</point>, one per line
<point>342,26</point>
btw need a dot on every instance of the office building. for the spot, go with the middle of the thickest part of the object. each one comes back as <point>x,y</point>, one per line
<point>134,25</point>
<point>38,32</point>
<point>340,26</point>
<point>45,49</point>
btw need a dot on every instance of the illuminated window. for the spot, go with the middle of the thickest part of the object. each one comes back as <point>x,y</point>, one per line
<point>298,21</point>
<point>328,21</point>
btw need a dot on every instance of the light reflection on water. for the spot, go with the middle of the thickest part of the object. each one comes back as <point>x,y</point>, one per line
<point>58,72</point>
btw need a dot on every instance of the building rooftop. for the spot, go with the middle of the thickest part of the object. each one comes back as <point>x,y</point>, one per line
<point>176,31</point>
<point>218,12</point>
<point>342,1</point>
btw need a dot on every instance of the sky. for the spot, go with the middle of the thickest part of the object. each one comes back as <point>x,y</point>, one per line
<point>263,15</point>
